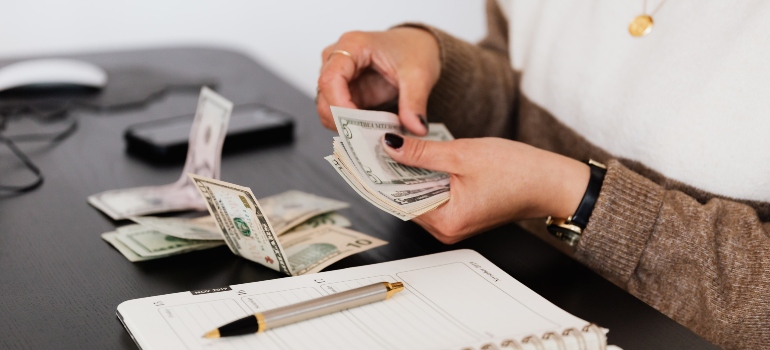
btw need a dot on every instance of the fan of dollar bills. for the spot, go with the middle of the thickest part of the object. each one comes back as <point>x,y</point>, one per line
<point>403,191</point>
<point>309,230</point>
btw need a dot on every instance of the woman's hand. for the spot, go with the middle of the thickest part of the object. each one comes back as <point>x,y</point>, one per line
<point>401,63</point>
<point>493,181</point>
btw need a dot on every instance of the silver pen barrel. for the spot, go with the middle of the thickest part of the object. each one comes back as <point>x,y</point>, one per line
<point>325,305</point>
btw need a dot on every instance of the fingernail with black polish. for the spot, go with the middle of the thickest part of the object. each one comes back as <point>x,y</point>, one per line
<point>423,120</point>
<point>394,141</point>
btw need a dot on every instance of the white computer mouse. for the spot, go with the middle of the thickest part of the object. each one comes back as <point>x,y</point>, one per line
<point>51,72</point>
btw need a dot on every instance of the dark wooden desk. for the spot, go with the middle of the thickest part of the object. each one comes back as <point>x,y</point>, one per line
<point>60,282</point>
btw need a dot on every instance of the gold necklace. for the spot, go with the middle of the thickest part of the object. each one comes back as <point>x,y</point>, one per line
<point>642,25</point>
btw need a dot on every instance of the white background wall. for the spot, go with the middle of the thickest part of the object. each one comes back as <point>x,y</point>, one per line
<point>287,36</point>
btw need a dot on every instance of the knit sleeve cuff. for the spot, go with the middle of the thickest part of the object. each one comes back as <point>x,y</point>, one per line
<point>458,68</point>
<point>622,221</point>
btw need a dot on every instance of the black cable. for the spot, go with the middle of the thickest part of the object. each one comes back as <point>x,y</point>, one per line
<point>51,137</point>
<point>28,163</point>
<point>42,116</point>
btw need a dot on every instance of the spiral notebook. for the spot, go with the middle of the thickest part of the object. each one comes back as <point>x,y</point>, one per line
<point>452,300</point>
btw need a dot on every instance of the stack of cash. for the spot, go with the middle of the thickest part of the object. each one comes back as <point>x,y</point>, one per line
<point>301,219</point>
<point>403,191</point>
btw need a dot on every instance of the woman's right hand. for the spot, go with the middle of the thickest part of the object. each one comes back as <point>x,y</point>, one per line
<point>493,181</point>
<point>402,63</point>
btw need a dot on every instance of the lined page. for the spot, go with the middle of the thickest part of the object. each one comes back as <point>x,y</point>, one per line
<point>450,300</point>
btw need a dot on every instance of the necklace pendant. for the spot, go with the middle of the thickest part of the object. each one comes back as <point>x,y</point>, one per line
<point>640,26</point>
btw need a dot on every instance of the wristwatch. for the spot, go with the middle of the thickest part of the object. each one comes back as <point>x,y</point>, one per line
<point>569,230</point>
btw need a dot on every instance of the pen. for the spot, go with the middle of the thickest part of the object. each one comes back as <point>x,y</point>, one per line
<point>308,309</point>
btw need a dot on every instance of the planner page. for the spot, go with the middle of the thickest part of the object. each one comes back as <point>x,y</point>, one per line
<point>450,299</point>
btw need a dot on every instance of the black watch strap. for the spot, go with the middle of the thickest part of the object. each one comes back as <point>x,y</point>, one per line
<point>586,207</point>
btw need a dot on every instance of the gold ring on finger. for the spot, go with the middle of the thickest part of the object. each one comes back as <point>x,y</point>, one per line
<point>345,53</point>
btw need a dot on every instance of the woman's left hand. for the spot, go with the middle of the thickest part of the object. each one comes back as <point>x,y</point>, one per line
<point>493,181</point>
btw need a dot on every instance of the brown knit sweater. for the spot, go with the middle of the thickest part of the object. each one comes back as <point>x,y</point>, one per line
<point>701,259</point>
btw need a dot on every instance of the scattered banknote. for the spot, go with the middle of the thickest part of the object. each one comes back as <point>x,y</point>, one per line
<point>310,251</point>
<point>284,210</point>
<point>162,242</point>
<point>249,234</point>
<point>111,238</point>
<point>332,218</point>
<point>202,228</point>
<point>139,243</point>
<point>203,157</point>
<point>291,208</point>
<point>403,191</point>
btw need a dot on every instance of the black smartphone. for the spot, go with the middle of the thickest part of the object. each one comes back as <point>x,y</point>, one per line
<point>251,125</point>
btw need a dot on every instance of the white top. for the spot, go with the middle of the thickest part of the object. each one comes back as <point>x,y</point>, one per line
<point>690,100</point>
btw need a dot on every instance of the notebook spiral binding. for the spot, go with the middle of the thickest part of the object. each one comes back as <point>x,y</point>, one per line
<point>539,343</point>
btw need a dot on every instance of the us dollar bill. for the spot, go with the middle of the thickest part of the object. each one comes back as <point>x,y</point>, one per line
<point>403,191</point>
<point>157,243</point>
<point>361,189</point>
<point>243,223</point>
<point>284,211</point>
<point>412,198</point>
<point>203,158</point>
<point>139,243</point>
<point>361,133</point>
<point>291,208</point>
<point>111,238</point>
<point>249,233</point>
<point>312,250</point>
<point>203,228</point>
<point>332,218</point>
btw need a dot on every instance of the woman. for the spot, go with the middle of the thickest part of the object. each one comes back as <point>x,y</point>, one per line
<point>678,115</point>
